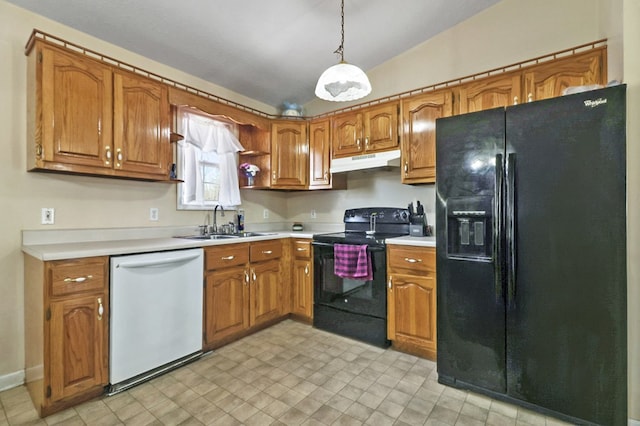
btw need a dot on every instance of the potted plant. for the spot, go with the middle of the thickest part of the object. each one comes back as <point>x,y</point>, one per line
<point>250,171</point>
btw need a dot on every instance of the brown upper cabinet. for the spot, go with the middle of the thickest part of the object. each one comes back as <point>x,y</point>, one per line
<point>419,114</point>
<point>368,130</point>
<point>490,92</point>
<point>320,176</point>
<point>319,154</point>
<point>550,79</point>
<point>86,117</point>
<point>289,154</point>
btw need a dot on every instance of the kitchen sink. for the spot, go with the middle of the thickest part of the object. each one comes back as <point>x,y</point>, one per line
<point>227,236</point>
<point>210,237</point>
<point>254,234</point>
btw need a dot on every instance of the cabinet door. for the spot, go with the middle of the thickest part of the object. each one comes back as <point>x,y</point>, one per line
<point>319,154</point>
<point>289,154</point>
<point>78,345</point>
<point>412,310</point>
<point>419,116</point>
<point>76,109</point>
<point>141,125</point>
<point>381,127</point>
<point>549,79</point>
<point>491,92</point>
<point>226,305</point>
<point>265,282</point>
<point>302,288</point>
<point>346,135</point>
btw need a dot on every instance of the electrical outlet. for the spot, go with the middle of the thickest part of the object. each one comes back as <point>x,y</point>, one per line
<point>265,214</point>
<point>313,214</point>
<point>48,216</point>
<point>154,214</point>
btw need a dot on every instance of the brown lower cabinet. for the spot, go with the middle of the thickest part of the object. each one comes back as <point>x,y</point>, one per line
<point>66,331</point>
<point>244,289</point>
<point>411,299</point>
<point>302,280</point>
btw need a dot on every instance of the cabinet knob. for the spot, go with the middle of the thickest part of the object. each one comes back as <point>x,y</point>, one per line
<point>306,269</point>
<point>515,100</point>
<point>358,142</point>
<point>100,309</point>
<point>119,157</point>
<point>77,279</point>
<point>530,97</point>
<point>366,141</point>
<point>390,284</point>
<point>406,167</point>
<point>107,155</point>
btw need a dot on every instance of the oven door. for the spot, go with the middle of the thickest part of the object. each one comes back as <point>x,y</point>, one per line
<point>349,295</point>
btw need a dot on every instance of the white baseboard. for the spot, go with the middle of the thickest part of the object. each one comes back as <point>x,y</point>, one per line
<point>633,422</point>
<point>11,380</point>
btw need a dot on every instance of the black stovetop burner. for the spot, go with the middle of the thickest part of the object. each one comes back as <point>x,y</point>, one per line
<point>385,222</point>
<point>356,237</point>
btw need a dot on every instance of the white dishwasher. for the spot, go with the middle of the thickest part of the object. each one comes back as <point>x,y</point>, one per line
<point>156,314</point>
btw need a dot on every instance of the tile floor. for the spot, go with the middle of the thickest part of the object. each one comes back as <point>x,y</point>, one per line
<point>289,374</point>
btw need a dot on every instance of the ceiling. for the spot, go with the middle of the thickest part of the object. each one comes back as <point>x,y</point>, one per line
<point>271,51</point>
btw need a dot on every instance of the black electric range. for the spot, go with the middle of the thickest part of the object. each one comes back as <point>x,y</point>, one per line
<point>350,307</point>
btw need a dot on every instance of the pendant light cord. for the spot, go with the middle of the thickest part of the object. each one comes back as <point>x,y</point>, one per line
<point>340,49</point>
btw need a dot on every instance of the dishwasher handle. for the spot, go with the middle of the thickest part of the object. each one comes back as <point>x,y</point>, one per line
<point>163,261</point>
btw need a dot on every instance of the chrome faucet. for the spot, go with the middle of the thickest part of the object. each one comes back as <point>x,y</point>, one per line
<point>204,229</point>
<point>214,228</point>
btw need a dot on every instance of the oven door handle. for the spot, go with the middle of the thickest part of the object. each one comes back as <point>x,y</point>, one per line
<point>369,248</point>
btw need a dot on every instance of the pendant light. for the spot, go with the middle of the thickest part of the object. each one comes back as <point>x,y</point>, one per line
<point>342,82</point>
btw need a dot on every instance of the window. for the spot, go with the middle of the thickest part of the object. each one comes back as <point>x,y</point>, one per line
<point>207,161</point>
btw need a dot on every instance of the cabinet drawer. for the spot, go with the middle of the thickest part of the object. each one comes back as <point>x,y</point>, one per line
<point>226,255</point>
<point>302,249</point>
<point>412,258</point>
<point>266,250</point>
<point>78,275</point>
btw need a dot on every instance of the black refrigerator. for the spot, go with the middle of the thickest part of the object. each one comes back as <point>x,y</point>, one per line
<point>531,255</point>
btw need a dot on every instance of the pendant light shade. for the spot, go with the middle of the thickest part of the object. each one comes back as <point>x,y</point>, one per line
<point>342,82</point>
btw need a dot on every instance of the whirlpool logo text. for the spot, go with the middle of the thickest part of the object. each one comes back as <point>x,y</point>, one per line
<point>594,103</point>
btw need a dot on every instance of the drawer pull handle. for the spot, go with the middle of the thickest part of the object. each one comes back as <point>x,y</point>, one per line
<point>306,270</point>
<point>301,249</point>
<point>246,277</point>
<point>100,309</point>
<point>411,260</point>
<point>228,257</point>
<point>78,280</point>
<point>267,251</point>
<point>390,284</point>
<point>253,271</point>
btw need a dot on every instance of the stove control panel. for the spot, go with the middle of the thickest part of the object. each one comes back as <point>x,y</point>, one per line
<point>382,215</point>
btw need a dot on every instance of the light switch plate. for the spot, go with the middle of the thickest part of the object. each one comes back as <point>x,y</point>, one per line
<point>48,216</point>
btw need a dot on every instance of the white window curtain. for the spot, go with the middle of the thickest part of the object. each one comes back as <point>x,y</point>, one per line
<point>209,141</point>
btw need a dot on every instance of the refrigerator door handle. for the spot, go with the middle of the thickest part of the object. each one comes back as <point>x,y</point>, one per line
<point>511,229</point>
<point>498,258</point>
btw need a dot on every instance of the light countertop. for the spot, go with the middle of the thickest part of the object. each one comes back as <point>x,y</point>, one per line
<point>49,248</point>
<point>74,250</point>
<point>412,241</point>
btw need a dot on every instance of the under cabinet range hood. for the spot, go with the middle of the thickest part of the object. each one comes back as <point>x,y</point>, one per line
<point>366,161</point>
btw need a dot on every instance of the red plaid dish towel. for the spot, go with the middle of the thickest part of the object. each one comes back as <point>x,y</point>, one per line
<point>352,261</point>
